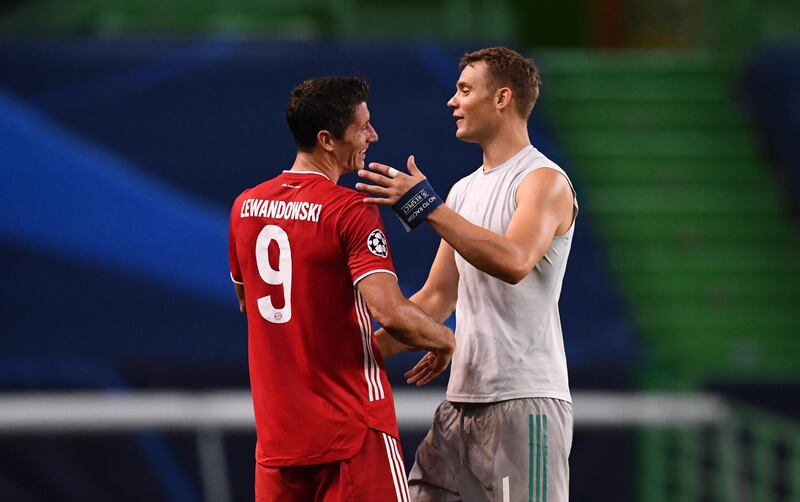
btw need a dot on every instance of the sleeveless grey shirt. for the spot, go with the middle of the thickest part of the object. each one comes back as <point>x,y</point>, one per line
<point>508,337</point>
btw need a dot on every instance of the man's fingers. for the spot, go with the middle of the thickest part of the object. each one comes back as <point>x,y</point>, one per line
<point>421,381</point>
<point>413,371</point>
<point>383,169</point>
<point>422,377</point>
<point>436,365</point>
<point>428,368</point>
<point>417,378</point>
<point>385,191</point>
<point>374,177</point>
<point>421,366</point>
<point>427,379</point>
<point>373,189</point>
<point>379,201</point>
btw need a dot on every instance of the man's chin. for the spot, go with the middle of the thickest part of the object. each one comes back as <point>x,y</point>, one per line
<point>463,136</point>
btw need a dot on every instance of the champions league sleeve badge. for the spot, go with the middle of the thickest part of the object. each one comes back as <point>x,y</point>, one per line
<point>376,243</point>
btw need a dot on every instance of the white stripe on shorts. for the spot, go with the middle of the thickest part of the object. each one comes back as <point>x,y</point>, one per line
<point>398,471</point>
<point>401,467</point>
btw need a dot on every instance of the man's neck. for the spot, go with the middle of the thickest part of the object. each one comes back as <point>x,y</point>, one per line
<point>322,164</point>
<point>504,144</point>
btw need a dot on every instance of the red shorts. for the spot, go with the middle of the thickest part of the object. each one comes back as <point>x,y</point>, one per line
<point>375,474</point>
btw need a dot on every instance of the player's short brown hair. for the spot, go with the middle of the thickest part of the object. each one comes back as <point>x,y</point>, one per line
<point>323,104</point>
<point>509,68</point>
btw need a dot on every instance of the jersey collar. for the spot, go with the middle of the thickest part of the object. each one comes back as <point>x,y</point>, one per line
<point>307,172</point>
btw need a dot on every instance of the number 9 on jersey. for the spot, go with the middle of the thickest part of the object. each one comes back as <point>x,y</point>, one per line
<point>281,276</point>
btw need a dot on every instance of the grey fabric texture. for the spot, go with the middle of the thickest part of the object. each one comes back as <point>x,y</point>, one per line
<point>511,451</point>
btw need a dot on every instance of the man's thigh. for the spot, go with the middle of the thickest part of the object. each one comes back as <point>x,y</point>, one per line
<point>376,473</point>
<point>285,483</point>
<point>510,451</point>
<point>437,460</point>
<point>518,450</point>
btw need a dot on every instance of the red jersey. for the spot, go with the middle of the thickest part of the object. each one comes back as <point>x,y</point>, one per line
<point>299,243</point>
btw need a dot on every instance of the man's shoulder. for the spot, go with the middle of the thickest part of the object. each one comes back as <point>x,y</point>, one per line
<point>348,194</point>
<point>317,184</point>
<point>339,199</point>
<point>535,160</point>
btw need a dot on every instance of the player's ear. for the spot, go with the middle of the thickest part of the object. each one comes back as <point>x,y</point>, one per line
<point>502,97</point>
<point>325,140</point>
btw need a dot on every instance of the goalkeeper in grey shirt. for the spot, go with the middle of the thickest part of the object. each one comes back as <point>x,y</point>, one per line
<point>505,431</point>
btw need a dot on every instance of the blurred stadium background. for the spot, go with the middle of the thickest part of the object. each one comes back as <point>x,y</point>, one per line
<point>127,127</point>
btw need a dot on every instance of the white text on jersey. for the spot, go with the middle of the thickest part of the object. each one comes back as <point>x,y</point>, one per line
<point>279,209</point>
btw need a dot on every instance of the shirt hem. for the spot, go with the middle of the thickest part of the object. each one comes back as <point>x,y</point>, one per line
<point>328,456</point>
<point>471,398</point>
<point>362,276</point>
<point>325,458</point>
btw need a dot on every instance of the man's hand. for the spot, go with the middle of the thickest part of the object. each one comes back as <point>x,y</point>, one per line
<point>411,196</point>
<point>388,189</point>
<point>428,368</point>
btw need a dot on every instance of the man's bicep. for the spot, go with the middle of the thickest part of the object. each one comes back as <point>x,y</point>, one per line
<point>544,204</point>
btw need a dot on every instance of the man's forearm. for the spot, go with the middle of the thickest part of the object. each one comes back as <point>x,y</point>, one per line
<point>388,345</point>
<point>416,329</point>
<point>403,320</point>
<point>487,251</point>
<point>434,303</point>
<point>436,306</point>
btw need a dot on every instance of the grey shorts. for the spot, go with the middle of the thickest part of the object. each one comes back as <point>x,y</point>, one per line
<point>509,451</point>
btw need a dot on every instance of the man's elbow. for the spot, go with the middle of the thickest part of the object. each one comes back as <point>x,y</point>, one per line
<point>516,270</point>
<point>512,276</point>
<point>389,318</point>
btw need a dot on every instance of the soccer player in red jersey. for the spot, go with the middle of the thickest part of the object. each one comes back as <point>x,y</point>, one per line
<point>310,262</point>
